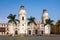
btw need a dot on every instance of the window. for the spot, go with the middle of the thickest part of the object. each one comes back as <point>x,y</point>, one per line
<point>2,29</point>
<point>29,32</point>
<point>22,24</point>
<point>22,18</point>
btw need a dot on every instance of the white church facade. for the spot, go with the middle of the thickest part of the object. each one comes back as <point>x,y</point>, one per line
<point>22,28</point>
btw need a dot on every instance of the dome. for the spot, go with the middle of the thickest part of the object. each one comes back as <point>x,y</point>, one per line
<point>22,6</point>
<point>44,10</point>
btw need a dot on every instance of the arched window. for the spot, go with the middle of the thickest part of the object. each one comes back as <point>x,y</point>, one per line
<point>22,18</point>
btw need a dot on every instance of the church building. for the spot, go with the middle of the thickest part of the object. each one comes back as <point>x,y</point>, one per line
<point>22,28</point>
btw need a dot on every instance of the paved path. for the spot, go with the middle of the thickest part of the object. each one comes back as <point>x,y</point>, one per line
<point>31,38</point>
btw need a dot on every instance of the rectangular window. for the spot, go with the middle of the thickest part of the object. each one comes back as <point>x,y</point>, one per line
<point>22,18</point>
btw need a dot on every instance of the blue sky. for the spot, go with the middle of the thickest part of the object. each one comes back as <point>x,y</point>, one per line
<point>33,8</point>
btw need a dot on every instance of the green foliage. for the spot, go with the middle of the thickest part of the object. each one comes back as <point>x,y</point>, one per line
<point>31,20</point>
<point>49,21</point>
<point>12,19</point>
<point>58,22</point>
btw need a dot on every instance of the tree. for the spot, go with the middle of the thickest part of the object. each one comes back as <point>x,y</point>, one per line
<point>58,22</point>
<point>49,21</point>
<point>12,20</point>
<point>31,20</point>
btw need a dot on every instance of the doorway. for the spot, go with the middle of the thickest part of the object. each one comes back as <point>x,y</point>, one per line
<point>16,32</point>
<point>41,32</point>
<point>29,32</point>
<point>36,31</point>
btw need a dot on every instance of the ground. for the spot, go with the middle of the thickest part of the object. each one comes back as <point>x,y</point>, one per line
<point>30,38</point>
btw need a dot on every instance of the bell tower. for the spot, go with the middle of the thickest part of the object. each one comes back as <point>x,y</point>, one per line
<point>23,20</point>
<point>46,28</point>
<point>44,16</point>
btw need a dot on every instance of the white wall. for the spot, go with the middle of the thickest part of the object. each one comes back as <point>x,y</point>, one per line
<point>47,29</point>
<point>11,29</point>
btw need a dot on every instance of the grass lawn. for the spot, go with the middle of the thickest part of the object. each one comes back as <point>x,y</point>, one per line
<point>42,37</point>
<point>51,35</point>
<point>5,36</point>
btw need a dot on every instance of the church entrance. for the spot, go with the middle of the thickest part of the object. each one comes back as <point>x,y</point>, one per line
<point>16,32</point>
<point>41,32</point>
<point>29,32</point>
<point>36,31</point>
